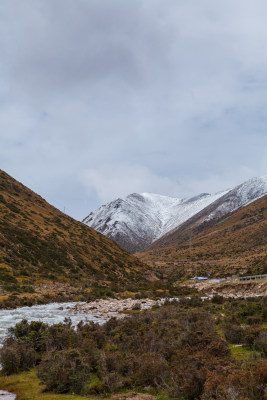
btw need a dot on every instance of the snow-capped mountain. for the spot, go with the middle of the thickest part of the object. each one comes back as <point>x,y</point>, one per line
<point>240,196</point>
<point>234,199</point>
<point>140,219</point>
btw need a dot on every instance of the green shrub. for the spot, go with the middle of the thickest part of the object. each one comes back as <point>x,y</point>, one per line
<point>17,357</point>
<point>64,371</point>
<point>233,333</point>
<point>217,299</point>
<point>260,343</point>
<point>175,349</point>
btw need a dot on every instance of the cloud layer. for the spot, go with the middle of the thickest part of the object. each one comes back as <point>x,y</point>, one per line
<point>99,99</point>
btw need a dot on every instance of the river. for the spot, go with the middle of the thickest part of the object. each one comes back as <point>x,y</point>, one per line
<point>52,313</point>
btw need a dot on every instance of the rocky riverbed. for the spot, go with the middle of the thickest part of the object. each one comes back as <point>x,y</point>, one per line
<point>228,289</point>
<point>105,309</point>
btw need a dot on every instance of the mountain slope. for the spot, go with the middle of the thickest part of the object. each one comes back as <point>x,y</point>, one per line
<point>235,244</point>
<point>140,219</point>
<point>40,242</point>
<point>148,219</point>
<point>234,199</point>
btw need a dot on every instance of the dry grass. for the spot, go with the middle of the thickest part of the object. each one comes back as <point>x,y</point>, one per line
<point>38,243</point>
<point>236,245</point>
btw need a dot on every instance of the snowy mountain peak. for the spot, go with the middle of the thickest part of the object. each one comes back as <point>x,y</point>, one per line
<point>253,188</point>
<point>240,196</point>
<point>141,218</point>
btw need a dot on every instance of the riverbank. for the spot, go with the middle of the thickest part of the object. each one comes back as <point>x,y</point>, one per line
<point>45,293</point>
<point>50,292</point>
<point>97,311</point>
<point>114,307</point>
<point>57,293</point>
<point>230,289</point>
<point>50,314</point>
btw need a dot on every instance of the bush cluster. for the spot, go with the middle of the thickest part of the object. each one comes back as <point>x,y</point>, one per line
<point>175,349</point>
<point>243,324</point>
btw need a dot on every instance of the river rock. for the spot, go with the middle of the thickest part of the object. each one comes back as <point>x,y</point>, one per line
<point>113,307</point>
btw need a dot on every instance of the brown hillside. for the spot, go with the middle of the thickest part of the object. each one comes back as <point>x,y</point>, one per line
<point>236,244</point>
<point>37,242</point>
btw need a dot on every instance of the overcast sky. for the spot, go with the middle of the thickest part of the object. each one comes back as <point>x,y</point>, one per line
<point>102,98</point>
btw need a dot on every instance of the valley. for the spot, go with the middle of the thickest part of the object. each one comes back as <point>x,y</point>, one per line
<point>144,221</point>
<point>133,200</point>
<point>132,318</point>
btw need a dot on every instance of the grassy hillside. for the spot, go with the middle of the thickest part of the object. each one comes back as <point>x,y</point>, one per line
<point>235,245</point>
<point>38,244</point>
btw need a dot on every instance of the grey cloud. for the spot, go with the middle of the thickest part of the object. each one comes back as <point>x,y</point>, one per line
<point>171,96</point>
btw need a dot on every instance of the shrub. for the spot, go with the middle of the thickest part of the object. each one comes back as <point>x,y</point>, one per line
<point>64,371</point>
<point>153,368</point>
<point>233,333</point>
<point>230,382</point>
<point>136,307</point>
<point>260,343</point>
<point>173,349</point>
<point>217,299</point>
<point>9,359</point>
<point>15,358</point>
<point>32,333</point>
<point>254,320</point>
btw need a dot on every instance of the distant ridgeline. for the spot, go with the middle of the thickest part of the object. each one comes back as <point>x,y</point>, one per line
<point>145,219</point>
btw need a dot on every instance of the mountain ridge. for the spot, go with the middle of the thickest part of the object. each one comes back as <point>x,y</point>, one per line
<point>238,197</point>
<point>234,245</point>
<point>140,220</point>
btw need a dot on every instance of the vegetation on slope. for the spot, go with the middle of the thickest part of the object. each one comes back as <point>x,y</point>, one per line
<point>183,350</point>
<point>235,245</point>
<point>39,243</point>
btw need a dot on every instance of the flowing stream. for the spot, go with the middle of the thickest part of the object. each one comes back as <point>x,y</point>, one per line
<point>49,313</point>
<point>52,313</point>
<point>7,395</point>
